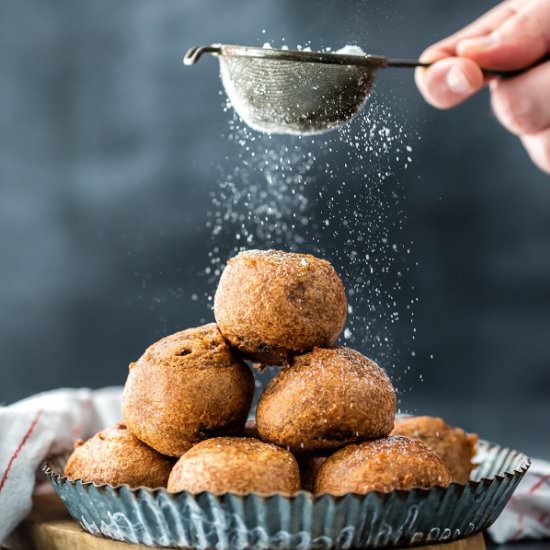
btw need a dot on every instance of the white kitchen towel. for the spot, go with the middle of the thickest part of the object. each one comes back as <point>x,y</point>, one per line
<point>35,427</point>
<point>49,422</point>
<point>527,514</point>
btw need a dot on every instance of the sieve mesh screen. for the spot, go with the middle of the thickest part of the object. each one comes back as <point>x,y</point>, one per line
<point>294,97</point>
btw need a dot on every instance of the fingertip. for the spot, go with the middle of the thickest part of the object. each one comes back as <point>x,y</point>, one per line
<point>449,81</point>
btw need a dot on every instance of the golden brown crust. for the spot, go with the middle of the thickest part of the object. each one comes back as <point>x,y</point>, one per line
<point>271,304</point>
<point>115,456</point>
<point>325,400</point>
<point>237,465</point>
<point>455,447</point>
<point>185,388</point>
<point>382,465</point>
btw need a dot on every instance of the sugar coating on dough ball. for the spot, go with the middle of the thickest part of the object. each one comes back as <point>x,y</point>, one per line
<point>455,447</point>
<point>272,304</point>
<point>237,465</point>
<point>326,399</point>
<point>114,456</point>
<point>382,465</point>
<point>187,387</point>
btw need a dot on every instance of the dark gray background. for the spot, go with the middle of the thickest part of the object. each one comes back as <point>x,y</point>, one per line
<point>109,150</point>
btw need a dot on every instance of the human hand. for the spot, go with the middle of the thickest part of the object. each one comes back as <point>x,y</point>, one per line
<point>513,35</point>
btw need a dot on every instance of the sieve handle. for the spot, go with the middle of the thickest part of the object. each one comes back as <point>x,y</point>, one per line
<point>194,54</point>
<point>399,63</point>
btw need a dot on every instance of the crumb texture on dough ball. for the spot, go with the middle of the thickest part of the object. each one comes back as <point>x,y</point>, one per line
<point>185,388</point>
<point>114,456</point>
<point>382,465</point>
<point>455,447</point>
<point>326,399</point>
<point>237,465</point>
<point>271,304</point>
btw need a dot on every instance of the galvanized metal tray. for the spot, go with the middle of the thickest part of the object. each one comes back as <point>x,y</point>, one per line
<point>304,521</point>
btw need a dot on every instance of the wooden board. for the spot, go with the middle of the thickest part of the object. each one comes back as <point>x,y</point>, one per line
<point>49,527</point>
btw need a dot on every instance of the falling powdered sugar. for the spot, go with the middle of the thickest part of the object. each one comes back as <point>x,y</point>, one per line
<point>338,196</point>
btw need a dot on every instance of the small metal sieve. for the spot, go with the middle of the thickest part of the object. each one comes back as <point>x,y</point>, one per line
<point>296,92</point>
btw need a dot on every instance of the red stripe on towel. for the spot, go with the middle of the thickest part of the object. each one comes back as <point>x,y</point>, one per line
<point>543,479</point>
<point>521,516</point>
<point>14,456</point>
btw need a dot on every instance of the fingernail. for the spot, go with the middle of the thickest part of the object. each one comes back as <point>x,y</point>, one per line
<point>458,83</point>
<point>479,43</point>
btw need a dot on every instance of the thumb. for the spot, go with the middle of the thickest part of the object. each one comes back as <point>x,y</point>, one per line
<point>517,43</point>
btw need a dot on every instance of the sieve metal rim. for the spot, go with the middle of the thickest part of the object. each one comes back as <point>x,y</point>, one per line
<point>331,58</point>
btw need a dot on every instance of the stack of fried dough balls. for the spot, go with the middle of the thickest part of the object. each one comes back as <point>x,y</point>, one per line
<point>324,422</point>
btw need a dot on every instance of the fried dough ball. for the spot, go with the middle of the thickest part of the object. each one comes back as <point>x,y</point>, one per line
<point>455,447</point>
<point>115,456</point>
<point>271,304</point>
<point>185,388</point>
<point>382,465</point>
<point>326,399</point>
<point>237,465</point>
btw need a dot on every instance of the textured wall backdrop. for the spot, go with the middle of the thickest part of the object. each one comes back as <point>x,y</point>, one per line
<point>110,149</point>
